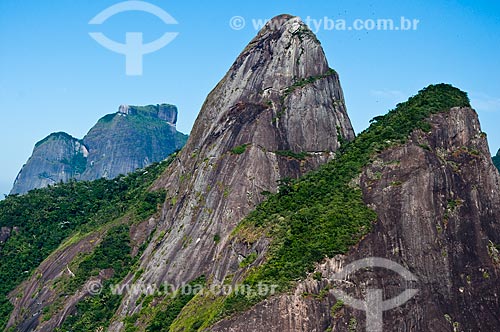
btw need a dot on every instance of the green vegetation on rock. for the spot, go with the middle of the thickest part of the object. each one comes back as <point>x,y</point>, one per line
<point>118,144</point>
<point>308,80</point>
<point>96,311</point>
<point>239,149</point>
<point>322,214</point>
<point>163,319</point>
<point>53,136</point>
<point>42,219</point>
<point>291,154</point>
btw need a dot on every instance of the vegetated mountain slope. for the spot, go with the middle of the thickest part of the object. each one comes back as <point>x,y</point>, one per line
<point>279,112</point>
<point>436,197</point>
<point>119,143</point>
<point>81,214</point>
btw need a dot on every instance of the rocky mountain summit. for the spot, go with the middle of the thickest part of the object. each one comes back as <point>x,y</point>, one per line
<point>57,158</point>
<point>272,190</point>
<point>119,143</point>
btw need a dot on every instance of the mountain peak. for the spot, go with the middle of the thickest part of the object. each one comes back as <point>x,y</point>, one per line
<point>283,25</point>
<point>54,136</point>
<point>284,51</point>
<point>283,64</point>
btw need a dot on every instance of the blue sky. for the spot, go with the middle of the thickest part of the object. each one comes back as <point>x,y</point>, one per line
<point>55,77</point>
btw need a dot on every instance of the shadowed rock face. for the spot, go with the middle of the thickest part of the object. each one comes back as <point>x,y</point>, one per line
<point>118,144</point>
<point>438,206</point>
<point>279,95</point>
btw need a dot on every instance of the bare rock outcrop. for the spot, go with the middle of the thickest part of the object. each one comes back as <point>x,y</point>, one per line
<point>277,113</point>
<point>4,234</point>
<point>133,138</point>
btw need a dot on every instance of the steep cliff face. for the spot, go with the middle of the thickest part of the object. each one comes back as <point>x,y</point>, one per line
<point>58,157</point>
<point>437,198</point>
<point>119,143</point>
<point>277,113</point>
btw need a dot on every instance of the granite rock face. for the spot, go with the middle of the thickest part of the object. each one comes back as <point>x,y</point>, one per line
<point>437,198</point>
<point>58,157</point>
<point>119,143</point>
<point>279,95</point>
